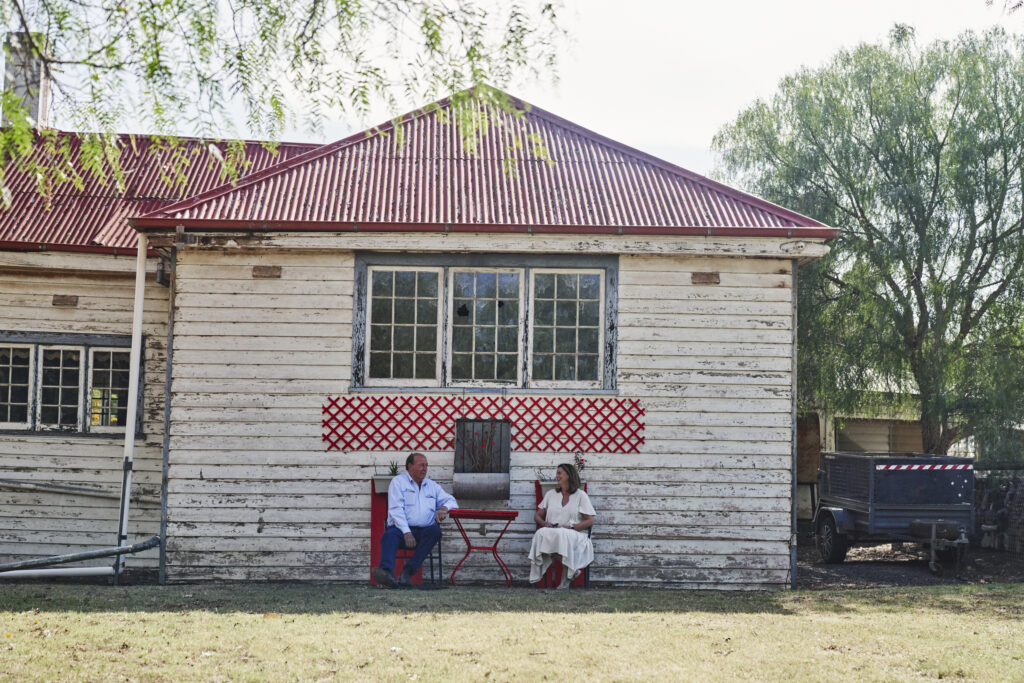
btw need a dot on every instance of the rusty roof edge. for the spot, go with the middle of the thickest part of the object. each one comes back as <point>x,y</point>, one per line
<point>13,245</point>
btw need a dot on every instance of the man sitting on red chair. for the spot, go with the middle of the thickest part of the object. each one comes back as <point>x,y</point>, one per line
<point>416,505</point>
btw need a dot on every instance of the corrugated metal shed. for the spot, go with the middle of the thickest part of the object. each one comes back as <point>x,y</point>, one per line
<point>96,215</point>
<point>424,177</point>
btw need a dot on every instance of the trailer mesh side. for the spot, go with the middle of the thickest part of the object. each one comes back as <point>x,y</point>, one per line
<point>850,475</point>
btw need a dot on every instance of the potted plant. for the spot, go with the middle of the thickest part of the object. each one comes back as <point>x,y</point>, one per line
<point>381,482</point>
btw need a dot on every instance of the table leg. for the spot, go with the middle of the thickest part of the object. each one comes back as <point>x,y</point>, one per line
<point>504,569</point>
<point>501,563</point>
<point>469,549</point>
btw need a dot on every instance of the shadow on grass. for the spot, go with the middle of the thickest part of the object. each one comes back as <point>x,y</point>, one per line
<point>339,598</point>
<point>1000,600</point>
<point>260,598</point>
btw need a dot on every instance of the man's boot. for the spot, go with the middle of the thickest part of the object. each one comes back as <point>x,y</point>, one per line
<point>383,577</point>
<point>404,579</point>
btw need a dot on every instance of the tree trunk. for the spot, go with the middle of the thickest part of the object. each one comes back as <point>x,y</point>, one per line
<point>936,436</point>
<point>928,372</point>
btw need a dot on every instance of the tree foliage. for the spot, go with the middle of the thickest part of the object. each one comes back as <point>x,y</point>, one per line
<point>194,66</point>
<point>1009,5</point>
<point>917,154</point>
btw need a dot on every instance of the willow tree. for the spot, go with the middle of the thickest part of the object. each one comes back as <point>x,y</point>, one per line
<point>917,154</point>
<point>195,67</point>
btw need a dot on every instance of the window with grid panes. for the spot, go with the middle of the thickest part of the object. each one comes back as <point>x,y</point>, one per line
<point>108,393</point>
<point>15,364</point>
<point>63,387</point>
<point>485,326</point>
<point>567,324</point>
<point>404,321</point>
<point>447,322</point>
<point>59,388</point>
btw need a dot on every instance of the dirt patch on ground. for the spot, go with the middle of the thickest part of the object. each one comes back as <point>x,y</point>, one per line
<point>902,565</point>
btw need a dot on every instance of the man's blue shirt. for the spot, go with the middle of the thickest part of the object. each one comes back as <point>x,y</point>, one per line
<point>411,505</point>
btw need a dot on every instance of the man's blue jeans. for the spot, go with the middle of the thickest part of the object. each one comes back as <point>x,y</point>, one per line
<point>393,539</point>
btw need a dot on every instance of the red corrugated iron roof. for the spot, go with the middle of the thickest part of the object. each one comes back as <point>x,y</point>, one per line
<point>95,217</point>
<point>423,177</point>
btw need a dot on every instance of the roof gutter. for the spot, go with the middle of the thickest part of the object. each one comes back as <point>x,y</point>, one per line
<point>153,224</point>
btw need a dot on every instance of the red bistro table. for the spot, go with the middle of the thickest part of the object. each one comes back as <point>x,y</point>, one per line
<point>460,514</point>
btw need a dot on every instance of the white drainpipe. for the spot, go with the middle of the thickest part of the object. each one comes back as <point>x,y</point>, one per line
<point>133,398</point>
<point>57,573</point>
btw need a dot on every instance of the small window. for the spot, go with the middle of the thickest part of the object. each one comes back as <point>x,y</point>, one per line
<point>15,385</point>
<point>108,391</point>
<point>404,320</point>
<point>60,393</point>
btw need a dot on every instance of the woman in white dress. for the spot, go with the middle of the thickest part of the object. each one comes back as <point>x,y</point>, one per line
<point>564,516</point>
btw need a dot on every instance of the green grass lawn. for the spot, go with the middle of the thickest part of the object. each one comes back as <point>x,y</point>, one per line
<point>282,631</point>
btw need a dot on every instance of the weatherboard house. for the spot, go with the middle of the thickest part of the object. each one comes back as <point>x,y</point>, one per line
<point>499,307</point>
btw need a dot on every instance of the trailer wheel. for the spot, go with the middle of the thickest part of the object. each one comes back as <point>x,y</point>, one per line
<point>832,545</point>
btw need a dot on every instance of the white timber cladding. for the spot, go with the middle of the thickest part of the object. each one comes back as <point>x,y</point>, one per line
<point>253,494</point>
<point>36,522</point>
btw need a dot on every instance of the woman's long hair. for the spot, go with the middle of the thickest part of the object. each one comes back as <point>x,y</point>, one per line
<point>574,476</point>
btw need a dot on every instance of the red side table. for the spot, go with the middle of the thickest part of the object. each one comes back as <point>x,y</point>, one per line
<point>461,514</point>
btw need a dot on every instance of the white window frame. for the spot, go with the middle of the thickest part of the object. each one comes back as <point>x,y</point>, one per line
<point>439,351</point>
<point>78,427</point>
<point>606,267</point>
<point>521,321</point>
<point>27,424</point>
<point>602,324</point>
<point>88,425</point>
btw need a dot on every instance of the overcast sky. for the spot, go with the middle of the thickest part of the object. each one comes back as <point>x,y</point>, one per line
<point>664,75</point>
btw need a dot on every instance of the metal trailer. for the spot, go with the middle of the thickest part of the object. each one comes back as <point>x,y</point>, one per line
<point>866,498</point>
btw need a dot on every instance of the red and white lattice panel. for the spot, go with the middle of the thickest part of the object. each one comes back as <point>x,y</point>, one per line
<point>427,423</point>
